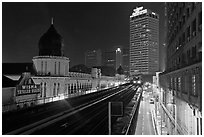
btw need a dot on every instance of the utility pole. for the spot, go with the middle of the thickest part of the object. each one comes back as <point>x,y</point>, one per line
<point>109,118</point>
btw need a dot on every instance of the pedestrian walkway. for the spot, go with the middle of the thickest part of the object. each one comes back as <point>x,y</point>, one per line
<point>159,124</point>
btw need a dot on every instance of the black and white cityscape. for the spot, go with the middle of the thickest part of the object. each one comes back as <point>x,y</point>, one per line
<point>101,68</point>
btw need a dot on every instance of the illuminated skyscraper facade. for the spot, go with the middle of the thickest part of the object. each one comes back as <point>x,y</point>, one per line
<point>144,42</point>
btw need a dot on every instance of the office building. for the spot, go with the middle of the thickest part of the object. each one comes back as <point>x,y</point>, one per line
<point>125,60</point>
<point>93,58</point>
<point>118,58</point>
<point>144,42</point>
<point>181,82</point>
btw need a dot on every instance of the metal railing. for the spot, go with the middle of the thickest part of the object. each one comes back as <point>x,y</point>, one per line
<point>131,124</point>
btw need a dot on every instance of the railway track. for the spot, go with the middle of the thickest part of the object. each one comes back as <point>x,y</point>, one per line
<point>83,101</point>
<point>91,120</point>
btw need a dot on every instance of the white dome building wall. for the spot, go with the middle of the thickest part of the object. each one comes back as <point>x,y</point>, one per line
<point>51,65</point>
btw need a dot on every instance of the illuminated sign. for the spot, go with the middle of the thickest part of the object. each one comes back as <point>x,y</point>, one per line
<point>27,89</point>
<point>138,11</point>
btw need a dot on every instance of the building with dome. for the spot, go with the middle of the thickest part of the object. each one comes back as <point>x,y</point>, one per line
<point>52,80</point>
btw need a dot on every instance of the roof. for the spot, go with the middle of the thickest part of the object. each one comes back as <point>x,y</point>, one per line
<point>6,82</point>
<point>17,68</point>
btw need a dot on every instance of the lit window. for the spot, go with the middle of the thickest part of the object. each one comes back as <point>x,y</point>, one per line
<point>194,85</point>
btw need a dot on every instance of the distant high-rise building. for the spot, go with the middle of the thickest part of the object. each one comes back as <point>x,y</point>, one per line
<point>125,59</point>
<point>144,42</point>
<point>93,58</point>
<point>118,58</point>
<point>109,58</point>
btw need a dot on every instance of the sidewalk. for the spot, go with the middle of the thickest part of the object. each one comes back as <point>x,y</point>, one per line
<point>158,124</point>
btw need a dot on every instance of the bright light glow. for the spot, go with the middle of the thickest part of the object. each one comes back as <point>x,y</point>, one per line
<point>138,11</point>
<point>139,82</point>
<point>118,50</point>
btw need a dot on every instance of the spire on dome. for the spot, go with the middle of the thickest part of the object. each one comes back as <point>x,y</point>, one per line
<point>50,43</point>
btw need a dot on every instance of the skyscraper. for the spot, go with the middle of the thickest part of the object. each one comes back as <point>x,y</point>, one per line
<point>125,60</point>
<point>93,58</point>
<point>113,57</point>
<point>118,60</point>
<point>181,81</point>
<point>144,42</point>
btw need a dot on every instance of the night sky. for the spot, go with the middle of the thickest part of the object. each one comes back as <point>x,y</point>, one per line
<point>83,26</point>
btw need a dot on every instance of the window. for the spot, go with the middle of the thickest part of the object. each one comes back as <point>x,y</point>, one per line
<point>45,67</point>
<point>59,68</point>
<point>184,19</point>
<point>187,12</point>
<point>180,42</point>
<point>175,83</point>
<point>41,89</point>
<point>58,89</point>
<point>171,83</point>
<point>200,21</point>
<point>180,24</point>
<point>55,68</point>
<point>65,89</point>
<point>193,27</point>
<point>54,89</point>
<point>183,38</point>
<point>45,90</point>
<point>41,66</point>
<point>194,93</point>
<point>193,52</point>
<point>192,6</point>
<point>179,83</point>
<point>188,33</point>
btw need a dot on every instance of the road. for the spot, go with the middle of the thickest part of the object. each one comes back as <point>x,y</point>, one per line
<point>144,122</point>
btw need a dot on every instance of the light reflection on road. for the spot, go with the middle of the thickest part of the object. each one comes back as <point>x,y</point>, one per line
<point>144,121</point>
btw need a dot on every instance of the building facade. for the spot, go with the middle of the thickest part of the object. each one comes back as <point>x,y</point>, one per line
<point>125,60</point>
<point>109,58</point>
<point>117,56</point>
<point>181,82</point>
<point>93,58</point>
<point>52,79</point>
<point>144,41</point>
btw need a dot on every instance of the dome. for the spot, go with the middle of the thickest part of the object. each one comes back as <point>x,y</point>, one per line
<point>50,44</point>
